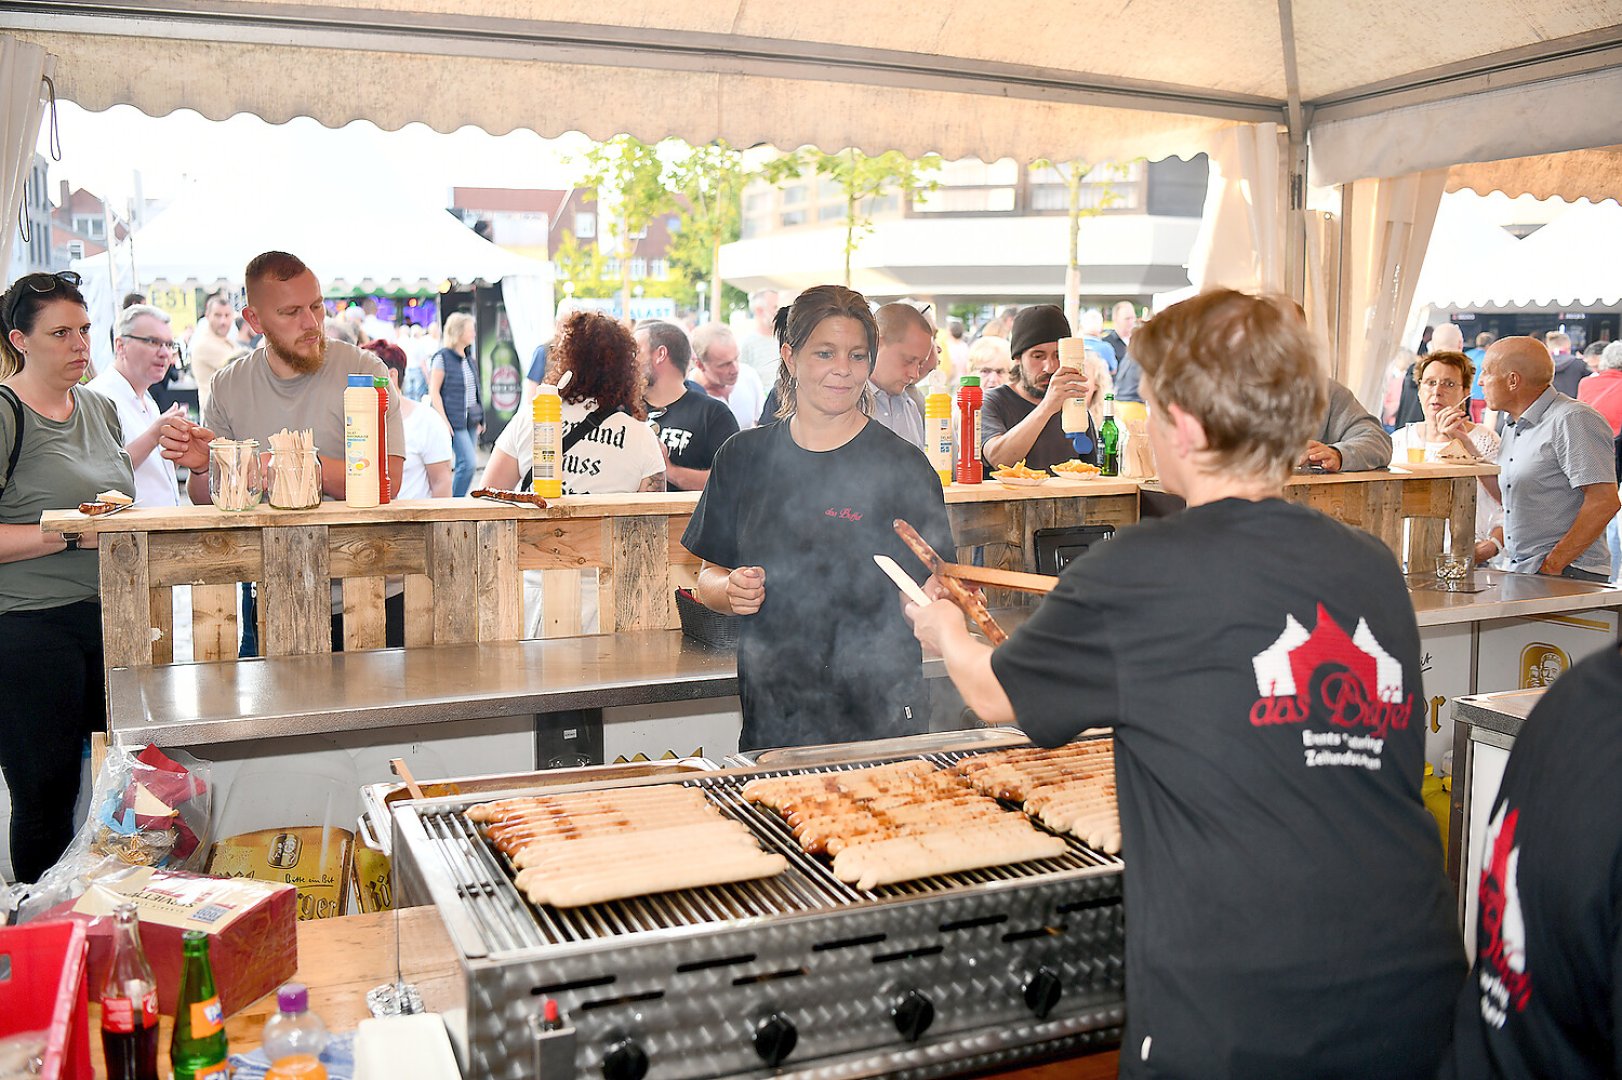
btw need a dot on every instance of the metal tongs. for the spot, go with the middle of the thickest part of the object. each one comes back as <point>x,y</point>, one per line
<point>953,576</point>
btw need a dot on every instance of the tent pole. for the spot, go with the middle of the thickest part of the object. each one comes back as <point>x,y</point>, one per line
<point>1293,163</point>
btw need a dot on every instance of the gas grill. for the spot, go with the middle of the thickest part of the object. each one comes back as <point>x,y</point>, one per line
<point>799,975</point>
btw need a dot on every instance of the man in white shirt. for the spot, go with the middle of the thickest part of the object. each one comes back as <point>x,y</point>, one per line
<point>143,349</point>
<point>759,350</point>
<point>717,370</point>
<point>906,351</point>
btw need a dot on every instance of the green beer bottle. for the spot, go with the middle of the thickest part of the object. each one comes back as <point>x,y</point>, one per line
<point>1109,439</point>
<point>198,1051</point>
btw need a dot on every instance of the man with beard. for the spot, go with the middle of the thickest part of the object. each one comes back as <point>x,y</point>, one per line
<point>1021,420</point>
<point>294,380</point>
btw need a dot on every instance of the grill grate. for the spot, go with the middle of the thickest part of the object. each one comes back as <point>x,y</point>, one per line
<point>510,923</point>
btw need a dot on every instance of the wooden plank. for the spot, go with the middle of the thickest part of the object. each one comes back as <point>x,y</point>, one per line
<point>1464,494</point>
<point>560,603</point>
<point>1117,510</point>
<point>377,550</point>
<point>1424,542</point>
<point>562,545</point>
<point>1004,579</point>
<point>419,610</point>
<point>640,572</point>
<point>295,594</point>
<point>364,626</point>
<point>162,603</point>
<point>453,554</point>
<point>205,558</point>
<point>1382,514</point>
<point>214,622</point>
<point>126,600</point>
<point>980,523</point>
<point>501,591</point>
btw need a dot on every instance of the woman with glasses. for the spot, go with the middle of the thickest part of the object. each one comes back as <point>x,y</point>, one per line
<point>1444,380</point>
<point>60,445</point>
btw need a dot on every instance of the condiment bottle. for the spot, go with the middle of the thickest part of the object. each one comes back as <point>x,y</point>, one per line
<point>198,1050</point>
<point>384,484</point>
<point>938,433</point>
<point>1109,438</point>
<point>362,442</point>
<point>294,1037</point>
<point>129,1005</point>
<point>969,400</point>
<point>547,442</point>
<point>1073,418</point>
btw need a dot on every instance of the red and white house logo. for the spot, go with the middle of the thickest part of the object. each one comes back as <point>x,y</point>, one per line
<point>1505,981</point>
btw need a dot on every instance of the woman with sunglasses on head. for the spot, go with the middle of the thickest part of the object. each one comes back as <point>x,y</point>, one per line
<point>788,525</point>
<point>1444,379</point>
<point>60,445</point>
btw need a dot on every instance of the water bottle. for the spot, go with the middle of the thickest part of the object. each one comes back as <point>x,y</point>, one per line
<point>294,1037</point>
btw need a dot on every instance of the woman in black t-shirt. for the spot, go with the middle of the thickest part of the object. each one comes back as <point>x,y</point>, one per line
<point>1286,910</point>
<point>788,525</point>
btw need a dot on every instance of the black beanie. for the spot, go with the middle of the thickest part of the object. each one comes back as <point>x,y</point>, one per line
<point>1037,326</point>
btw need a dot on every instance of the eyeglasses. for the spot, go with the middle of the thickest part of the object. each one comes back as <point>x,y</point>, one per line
<point>1440,384</point>
<point>157,343</point>
<point>41,283</point>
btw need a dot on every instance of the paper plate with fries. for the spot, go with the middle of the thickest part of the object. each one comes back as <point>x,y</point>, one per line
<point>1019,475</point>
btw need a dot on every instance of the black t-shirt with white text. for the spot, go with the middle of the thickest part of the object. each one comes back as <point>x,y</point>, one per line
<point>693,427</point>
<point>1545,997</point>
<point>828,657</point>
<point>1004,408</point>
<point>1284,891</point>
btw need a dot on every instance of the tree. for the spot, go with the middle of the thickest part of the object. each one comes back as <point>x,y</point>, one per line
<point>583,268</point>
<point>710,181</point>
<point>1073,173</point>
<point>863,179</point>
<point>630,172</point>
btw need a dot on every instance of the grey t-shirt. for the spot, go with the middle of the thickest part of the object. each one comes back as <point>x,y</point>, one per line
<point>248,401</point>
<point>61,465</point>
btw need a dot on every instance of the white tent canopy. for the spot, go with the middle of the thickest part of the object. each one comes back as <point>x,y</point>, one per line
<point>1570,263</point>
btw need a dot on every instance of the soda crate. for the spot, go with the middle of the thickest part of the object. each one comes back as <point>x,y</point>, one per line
<point>43,987</point>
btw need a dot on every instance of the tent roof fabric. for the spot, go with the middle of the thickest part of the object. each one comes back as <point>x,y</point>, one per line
<point>1595,175</point>
<point>1026,78</point>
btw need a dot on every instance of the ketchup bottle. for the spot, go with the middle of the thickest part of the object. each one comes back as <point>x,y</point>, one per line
<point>383,489</point>
<point>969,399</point>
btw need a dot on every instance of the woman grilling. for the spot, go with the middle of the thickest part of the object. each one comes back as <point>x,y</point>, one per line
<point>1259,663</point>
<point>787,529</point>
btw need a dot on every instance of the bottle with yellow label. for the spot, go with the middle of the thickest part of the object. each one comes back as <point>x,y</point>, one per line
<point>199,1050</point>
<point>938,433</point>
<point>362,444</point>
<point>547,442</point>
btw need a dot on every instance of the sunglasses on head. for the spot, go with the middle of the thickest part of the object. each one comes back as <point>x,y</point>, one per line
<point>41,283</point>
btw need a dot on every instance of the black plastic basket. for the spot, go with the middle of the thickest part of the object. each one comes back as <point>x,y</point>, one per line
<point>704,626</point>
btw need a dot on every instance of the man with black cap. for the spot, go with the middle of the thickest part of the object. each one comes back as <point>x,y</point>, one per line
<point>1022,419</point>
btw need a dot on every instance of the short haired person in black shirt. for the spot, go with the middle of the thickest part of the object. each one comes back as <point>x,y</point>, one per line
<point>788,526</point>
<point>1545,996</point>
<point>1259,662</point>
<point>1021,420</point>
<point>691,425</point>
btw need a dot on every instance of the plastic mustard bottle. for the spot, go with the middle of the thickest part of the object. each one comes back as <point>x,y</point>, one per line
<point>384,484</point>
<point>294,1037</point>
<point>362,442</point>
<point>547,442</point>
<point>1073,417</point>
<point>969,399</point>
<point>198,1049</point>
<point>938,433</point>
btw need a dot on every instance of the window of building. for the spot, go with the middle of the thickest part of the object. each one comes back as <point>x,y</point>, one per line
<point>639,269</point>
<point>794,195</point>
<point>831,211</point>
<point>792,217</point>
<point>585,224</point>
<point>659,269</point>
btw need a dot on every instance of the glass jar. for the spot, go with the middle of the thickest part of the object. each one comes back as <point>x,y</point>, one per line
<point>293,479</point>
<point>234,478</point>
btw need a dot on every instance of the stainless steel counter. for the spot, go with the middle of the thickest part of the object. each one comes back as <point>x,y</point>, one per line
<point>1504,712</point>
<point>1504,595</point>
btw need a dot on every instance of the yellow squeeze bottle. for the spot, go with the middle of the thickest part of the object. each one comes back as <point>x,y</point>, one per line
<point>938,433</point>
<point>547,443</point>
<point>1073,354</point>
<point>362,441</point>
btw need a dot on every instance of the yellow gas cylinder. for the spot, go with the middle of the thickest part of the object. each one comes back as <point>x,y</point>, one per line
<point>1438,794</point>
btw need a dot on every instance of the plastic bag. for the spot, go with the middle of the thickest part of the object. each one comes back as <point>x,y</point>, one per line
<point>149,808</point>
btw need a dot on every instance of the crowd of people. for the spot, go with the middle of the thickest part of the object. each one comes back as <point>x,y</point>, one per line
<point>1288,912</point>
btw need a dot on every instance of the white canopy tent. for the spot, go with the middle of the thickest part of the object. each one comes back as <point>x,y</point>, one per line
<point>1389,95</point>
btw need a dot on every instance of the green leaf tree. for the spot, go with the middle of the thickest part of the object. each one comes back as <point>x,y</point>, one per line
<point>1074,173</point>
<point>710,182</point>
<point>630,174</point>
<point>863,179</point>
<point>583,271</point>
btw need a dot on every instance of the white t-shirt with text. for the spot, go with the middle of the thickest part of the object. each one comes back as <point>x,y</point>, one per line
<point>616,457</point>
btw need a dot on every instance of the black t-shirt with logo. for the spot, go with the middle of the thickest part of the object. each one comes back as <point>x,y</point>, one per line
<point>1286,907</point>
<point>829,656</point>
<point>693,427</point>
<point>1545,996</point>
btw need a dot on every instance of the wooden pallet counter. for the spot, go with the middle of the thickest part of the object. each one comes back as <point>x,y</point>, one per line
<point>461,561</point>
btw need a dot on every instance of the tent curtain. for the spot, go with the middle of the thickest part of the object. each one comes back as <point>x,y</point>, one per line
<point>1388,227</point>
<point>23,68</point>
<point>528,300</point>
<point>1240,244</point>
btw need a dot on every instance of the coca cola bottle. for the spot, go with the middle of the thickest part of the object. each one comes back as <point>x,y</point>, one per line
<point>129,1005</point>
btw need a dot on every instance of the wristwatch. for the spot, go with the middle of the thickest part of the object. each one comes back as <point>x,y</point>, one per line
<point>72,541</point>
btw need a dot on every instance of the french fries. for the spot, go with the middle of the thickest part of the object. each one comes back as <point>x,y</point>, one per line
<point>1076,467</point>
<point>1018,471</point>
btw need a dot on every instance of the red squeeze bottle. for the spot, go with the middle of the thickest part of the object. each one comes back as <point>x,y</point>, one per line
<point>969,399</point>
<point>383,482</point>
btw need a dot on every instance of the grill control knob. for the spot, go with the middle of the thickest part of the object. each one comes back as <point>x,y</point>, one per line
<point>625,1060</point>
<point>1043,991</point>
<point>912,1012</point>
<point>775,1038</point>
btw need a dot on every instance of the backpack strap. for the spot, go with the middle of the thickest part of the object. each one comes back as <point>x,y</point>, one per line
<point>17,435</point>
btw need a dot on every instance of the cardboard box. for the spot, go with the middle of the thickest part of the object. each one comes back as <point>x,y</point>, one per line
<point>252,928</point>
